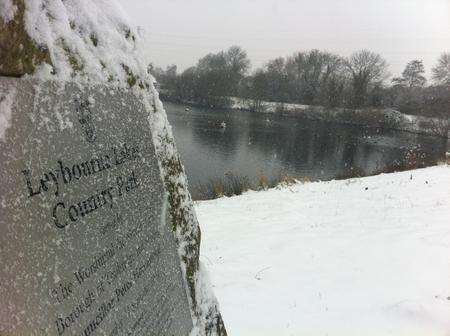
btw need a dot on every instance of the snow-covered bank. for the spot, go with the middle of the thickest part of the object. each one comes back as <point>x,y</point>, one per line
<point>367,256</point>
<point>368,117</point>
<point>383,118</point>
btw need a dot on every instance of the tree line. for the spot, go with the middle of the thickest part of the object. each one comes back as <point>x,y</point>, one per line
<point>312,78</point>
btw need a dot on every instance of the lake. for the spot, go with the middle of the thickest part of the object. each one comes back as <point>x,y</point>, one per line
<point>270,147</point>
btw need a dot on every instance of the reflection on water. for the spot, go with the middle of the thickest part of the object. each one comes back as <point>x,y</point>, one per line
<point>272,145</point>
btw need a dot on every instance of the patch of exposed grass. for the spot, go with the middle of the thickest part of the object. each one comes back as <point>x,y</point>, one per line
<point>263,182</point>
<point>232,184</point>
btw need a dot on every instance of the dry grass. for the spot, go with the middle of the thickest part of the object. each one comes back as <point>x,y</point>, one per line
<point>229,185</point>
<point>232,184</point>
<point>218,187</point>
<point>263,182</point>
<point>352,173</point>
<point>444,161</point>
<point>304,180</point>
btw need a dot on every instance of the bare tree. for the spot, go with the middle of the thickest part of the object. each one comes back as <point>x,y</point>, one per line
<point>257,90</point>
<point>277,80</point>
<point>309,73</point>
<point>219,75</point>
<point>409,89</point>
<point>237,61</point>
<point>441,72</point>
<point>366,69</point>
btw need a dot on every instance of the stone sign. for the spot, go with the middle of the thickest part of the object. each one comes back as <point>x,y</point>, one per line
<point>84,244</point>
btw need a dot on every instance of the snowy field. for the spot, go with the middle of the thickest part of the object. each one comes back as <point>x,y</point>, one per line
<point>367,256</point>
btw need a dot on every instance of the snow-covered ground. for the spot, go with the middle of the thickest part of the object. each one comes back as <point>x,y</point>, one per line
<point>368,256</point>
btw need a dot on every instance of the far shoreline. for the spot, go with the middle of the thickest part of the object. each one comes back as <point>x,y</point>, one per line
<point>387,119</point>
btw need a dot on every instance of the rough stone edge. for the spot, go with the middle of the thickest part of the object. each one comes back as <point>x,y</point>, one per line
<point>206,315</point>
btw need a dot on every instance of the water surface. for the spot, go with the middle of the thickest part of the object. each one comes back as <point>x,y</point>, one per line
<point>254,145</point>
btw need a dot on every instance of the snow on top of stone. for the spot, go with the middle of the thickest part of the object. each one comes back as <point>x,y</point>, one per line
<point>92,41</point>
<point>86,39</point>
<point>7,10</point>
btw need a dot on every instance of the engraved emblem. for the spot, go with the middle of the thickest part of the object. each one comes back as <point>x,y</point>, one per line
<point>86,121</point>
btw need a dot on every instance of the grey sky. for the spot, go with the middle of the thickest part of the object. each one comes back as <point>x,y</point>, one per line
<point>181,31</point>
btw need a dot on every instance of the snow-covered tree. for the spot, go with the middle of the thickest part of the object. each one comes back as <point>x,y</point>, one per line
<point>441,72</point>
<point>412,76</point>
